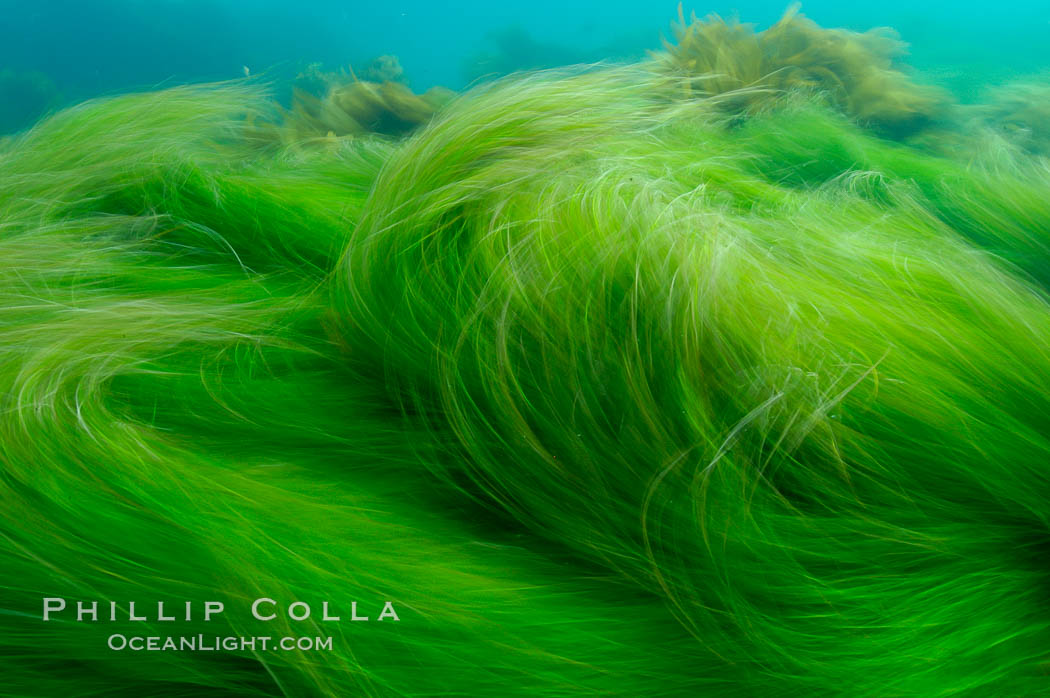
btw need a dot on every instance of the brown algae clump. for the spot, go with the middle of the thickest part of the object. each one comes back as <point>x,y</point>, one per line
<point>747,69</point>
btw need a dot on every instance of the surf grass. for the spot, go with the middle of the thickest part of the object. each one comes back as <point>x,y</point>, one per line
<point>608,395</point>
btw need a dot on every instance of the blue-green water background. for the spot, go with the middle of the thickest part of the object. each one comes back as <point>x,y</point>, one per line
<point>95,47</point>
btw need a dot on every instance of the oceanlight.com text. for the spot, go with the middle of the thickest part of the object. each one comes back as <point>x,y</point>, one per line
<point>214,643</point>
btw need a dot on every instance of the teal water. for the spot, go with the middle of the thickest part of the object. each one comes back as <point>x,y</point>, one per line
<point>83,49</point>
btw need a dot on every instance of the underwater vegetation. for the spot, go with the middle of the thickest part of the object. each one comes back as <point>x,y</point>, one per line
<point>604,393</point>
<point>25,96</point>
<point>339,104</point>
<point>857,72</point>
<point>384,69</point>
<point>1020,111</point>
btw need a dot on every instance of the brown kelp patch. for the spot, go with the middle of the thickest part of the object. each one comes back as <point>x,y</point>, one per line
<point>1020,111</point>
<point>327,106</point>
<point>858,72</point>
<point>349,106</point>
